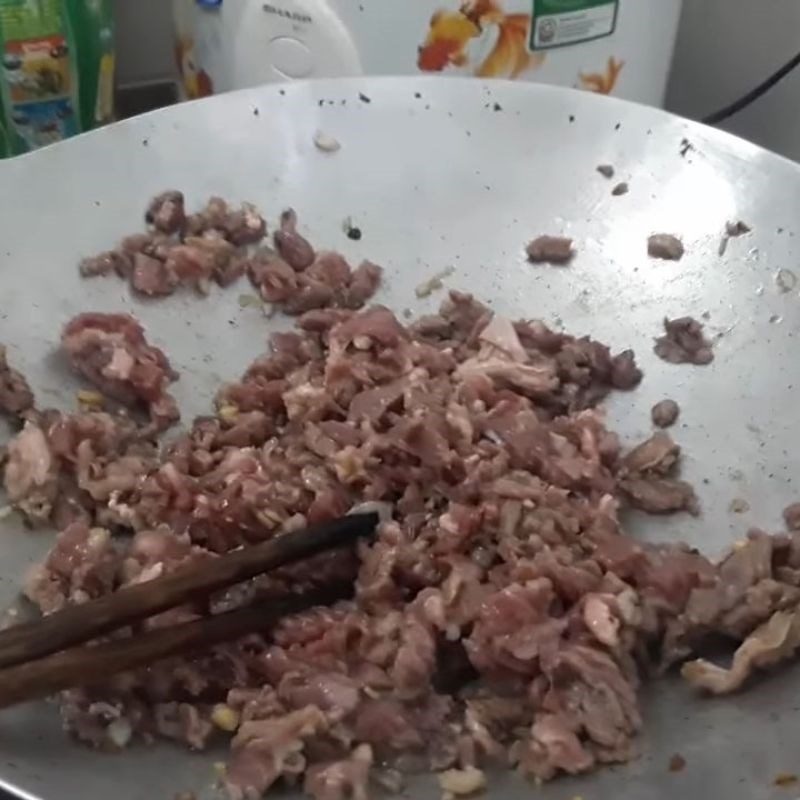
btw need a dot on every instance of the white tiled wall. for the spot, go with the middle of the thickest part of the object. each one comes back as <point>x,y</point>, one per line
<point>724,47</point>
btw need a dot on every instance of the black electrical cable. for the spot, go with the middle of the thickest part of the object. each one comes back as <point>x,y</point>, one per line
<point>754,94</point>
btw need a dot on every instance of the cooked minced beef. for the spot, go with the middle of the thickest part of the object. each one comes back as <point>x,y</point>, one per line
<point>684,343</point>
<point>665,413</point>
<point>791,515</point>
<point>665,246</point>
<point>503,551</point>
<point>660,495</point>
<point>110,350</point>
<point>16,396</point>
<point>647,478</point>
<point>216,245</point>
<point>293,248</point>
<point>550,250</point>
<point>167,213</point>
<point>620,189</point>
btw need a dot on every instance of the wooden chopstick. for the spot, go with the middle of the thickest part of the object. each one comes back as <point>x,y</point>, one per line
<point>80,624</point>
<point>91,665</point>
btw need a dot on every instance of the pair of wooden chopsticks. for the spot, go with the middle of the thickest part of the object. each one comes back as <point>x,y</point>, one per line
<point>35,660</point>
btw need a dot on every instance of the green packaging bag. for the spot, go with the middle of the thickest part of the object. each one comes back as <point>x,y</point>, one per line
<point>56,70</point>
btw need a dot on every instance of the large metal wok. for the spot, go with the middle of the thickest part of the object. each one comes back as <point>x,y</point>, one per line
<point>462,174</point>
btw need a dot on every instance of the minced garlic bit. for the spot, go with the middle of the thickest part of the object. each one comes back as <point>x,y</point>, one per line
<point>268,518</point>
<point>98,537</point>
<point>228,413</point>
<point>225,717</point>
<point>250,301</point>
<point>462,782</point>
<point>427,288</point>
<point>220,769</point>
<point>348,464</point>
<point>326,143</point>
<point>89,400</point>
<point>120,733</point>
<point>739,506</point>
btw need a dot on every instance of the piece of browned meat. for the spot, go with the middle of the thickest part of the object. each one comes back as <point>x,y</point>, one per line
<point>791,515</point>
<point>214,245</point>
<point>111,351</point>
<point>655,456</point>
<point>665,413</point>
<point>166,212</point>
<point>684,343</point>
<point>16,396</point>
<point>776,640</point>
<point>293,248</point>
<point>550,250</point>
<point>647,478</point>
<point>660,495</point>
<point>665,246</point>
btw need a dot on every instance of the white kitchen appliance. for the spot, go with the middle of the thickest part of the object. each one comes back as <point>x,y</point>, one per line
<point>620,47</point>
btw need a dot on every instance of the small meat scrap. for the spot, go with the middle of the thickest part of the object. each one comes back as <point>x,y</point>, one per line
<point>737,228</point>
<point>550,250</point>
<point>240,226</point>
<point>784,779</point>
<point>684,343</point>
<point>166,212</point>
<point>624,372</point>
<point>111,351</point>
<point>104,264</point>
<point>620,189</point>
<point>776,640</point>
<point>293,248</point>
<point>15,393</point>
<point>732,230</point>
<point>328,282</point>
<point>180,249</point>
<point>655,456</point>
<point>791,515</point>
<point>665,246</point>
<point>606,170</point>
<point>31,474</point>
<point>677,763</point>
<point>660,495</point>
<point>665,413</point>
<point>646,482</point>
